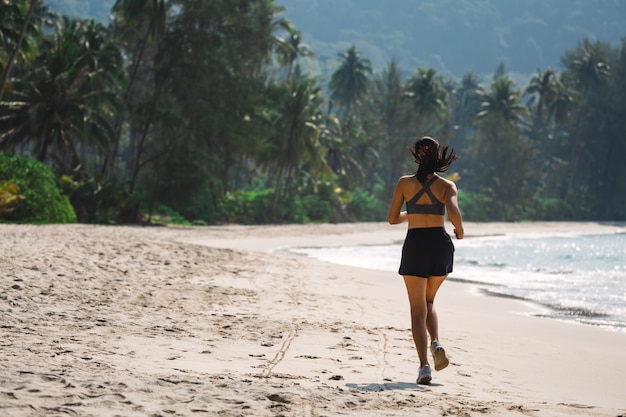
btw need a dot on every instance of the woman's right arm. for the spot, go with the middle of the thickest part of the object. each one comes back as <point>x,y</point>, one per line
<point>454,214</point>
<point>395,216</point>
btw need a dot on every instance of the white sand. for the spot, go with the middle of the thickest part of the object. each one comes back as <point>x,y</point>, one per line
<point>217,321</point>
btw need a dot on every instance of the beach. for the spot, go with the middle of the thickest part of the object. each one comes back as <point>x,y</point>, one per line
<point>225,321</point>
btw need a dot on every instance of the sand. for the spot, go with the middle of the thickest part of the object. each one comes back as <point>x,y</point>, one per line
<point>224,321</point>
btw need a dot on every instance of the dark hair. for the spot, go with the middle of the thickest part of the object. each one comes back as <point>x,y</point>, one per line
<point>430,158</point>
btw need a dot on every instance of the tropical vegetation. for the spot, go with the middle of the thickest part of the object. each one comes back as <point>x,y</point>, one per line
<point>200,112</point>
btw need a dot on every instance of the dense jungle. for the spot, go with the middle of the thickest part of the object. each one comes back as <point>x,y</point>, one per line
<point>221,111</point>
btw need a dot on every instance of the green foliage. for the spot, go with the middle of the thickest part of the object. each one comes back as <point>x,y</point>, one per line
<point>254,207</point>
<point>201,208</point>
<point>43,200</point>
<point>100,201</point>
<point>9,197</point>
<point>475,207</point>
<point>163,214</point>
<point>554,209</point>
<point>317,209</point>
<point>187,191</point>
<point>366,207</point>
<point>66,96</point>
<point>205,129</point>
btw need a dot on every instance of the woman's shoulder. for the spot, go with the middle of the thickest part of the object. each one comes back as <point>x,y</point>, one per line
<point>407,178</point>
<point>448,183</point>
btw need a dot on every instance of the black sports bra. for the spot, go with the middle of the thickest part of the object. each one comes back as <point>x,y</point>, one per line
<point>436,206</point>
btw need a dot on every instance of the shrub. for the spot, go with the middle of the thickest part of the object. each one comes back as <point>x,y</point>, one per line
<point>475,207</point>
<point>9,197</point>
<point>201,208</point>
<point>163,214</point>
<point>367,208</point>
<point>317,210</point>
<point>245,207</point>
<point>554,209</point>
<point>43,200</point>
<point>97,201</point>
<point>255,207</point>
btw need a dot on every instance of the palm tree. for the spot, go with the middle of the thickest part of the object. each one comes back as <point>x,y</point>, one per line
<point>502,153</point>
<point>502,101</point>
<point>337,153</point>
<point>296,130</point>
<point>11,17</point>
<point>561,103</point>
<point>465,105</point>
<point>425,90</point>
<point>551,101</point>
<point>392,115</point>
<point>290,48</point>
<point>587,72</point>
<point>147,18</point>
<point>587,67</point>
<point>67,98</point>
<point>350,82</point>
<point>542,89</point>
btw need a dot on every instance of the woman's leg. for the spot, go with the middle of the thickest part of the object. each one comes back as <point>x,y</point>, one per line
<point>432,321</point>
<point>416,289</point>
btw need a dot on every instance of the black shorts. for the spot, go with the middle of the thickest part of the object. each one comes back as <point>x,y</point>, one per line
<point>427,252</point>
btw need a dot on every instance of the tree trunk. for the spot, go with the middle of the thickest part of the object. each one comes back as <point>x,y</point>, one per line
<point>109,161</point>
<point>279,182</point>
<point>7,71</point>
<point>136,161</point>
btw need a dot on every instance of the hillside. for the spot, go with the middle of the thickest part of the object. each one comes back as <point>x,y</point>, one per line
<point>452,36</point>
<point>96,9</point>
<point>456,36</point>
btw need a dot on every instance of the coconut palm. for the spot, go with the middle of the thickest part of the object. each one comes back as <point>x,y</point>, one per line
<point>350,82</point>
<point>561,103</point>
<point>502,101</point>
<point>426,92</point>
<point>66,99</point>
<point>338,154</point>
<point>296,131</point>
<point>145,17</point>
<point>464,106</point>
<point>290,48</point>
<point>542,89</point>
<point>391,114</point>
<point>587,72</point>
<point>467,95</point>
<point>15,30</point>
<point>587,67</point>
<point>143,21</point>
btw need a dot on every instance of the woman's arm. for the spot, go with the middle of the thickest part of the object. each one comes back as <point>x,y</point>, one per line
<point>454,214</point>
<point>395,216</point>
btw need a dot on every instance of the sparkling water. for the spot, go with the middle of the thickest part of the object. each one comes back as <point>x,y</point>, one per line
<point>579,277</point>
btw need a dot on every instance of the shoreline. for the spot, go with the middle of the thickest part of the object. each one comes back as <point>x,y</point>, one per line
<point>103,320</point>
<point>566,229</point>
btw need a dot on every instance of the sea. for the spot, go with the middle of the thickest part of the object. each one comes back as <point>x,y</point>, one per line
<point>580,278</point>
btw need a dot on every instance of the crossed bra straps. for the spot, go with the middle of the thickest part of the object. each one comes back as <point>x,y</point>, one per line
<point>436,206</point>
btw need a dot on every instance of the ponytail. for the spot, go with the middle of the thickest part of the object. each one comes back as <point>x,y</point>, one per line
<point>430,159</point>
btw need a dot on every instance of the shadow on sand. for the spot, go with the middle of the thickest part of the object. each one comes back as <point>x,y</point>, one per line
<point>390,386</point>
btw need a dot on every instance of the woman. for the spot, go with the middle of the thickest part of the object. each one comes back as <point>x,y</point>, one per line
<point>427,254</point>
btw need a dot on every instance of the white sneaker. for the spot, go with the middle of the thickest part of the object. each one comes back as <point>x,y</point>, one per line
<point>424,376</point>
<point>439,356</point>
